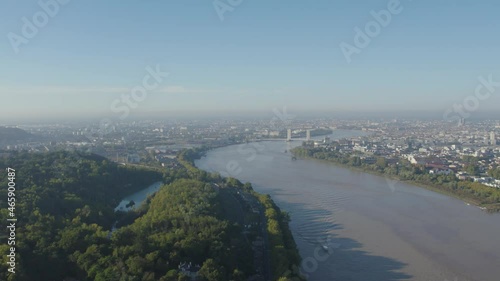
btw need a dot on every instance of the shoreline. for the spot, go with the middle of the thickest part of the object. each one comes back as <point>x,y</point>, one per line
<point>277,233</point>
<point>412,250</point>
<point>487,208</point>
<point>491,208</point>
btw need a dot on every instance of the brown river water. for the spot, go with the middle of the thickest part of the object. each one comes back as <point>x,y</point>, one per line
<point>350,225</point>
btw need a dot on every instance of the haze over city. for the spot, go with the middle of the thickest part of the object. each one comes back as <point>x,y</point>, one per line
<point>258,56</point>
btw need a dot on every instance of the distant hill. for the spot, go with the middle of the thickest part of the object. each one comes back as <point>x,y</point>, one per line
<point>8,135</point>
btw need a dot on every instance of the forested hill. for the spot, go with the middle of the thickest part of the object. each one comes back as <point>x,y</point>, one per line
<point>64,201</point>
<point>65,209</point>
<point>14,134</point>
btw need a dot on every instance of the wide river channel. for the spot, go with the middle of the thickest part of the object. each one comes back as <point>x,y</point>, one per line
<point>374,228</point>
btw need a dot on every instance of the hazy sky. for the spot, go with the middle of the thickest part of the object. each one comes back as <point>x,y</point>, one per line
<point>262,55</point>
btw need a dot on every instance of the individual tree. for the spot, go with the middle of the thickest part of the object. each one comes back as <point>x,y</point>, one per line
<point>238,275</point>
<point>211,271</point>
<point>473,170</point>
<point>171,275</point>
<point>381,163</point>
<point>495,173</point>
<point>355,161</point>
<point>130,204</point>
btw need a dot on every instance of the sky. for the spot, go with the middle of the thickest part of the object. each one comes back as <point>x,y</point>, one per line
<point>86,57</point>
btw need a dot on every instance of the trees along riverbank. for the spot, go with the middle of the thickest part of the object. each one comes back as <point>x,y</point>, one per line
<point>475,193</point>
<point>65,205</point>
<point>285,258</point>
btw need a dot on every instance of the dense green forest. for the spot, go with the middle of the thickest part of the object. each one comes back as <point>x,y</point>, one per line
<point>285,258</point>
<point>65,208</point>
<point>284,255</point>
<point>477,193</point>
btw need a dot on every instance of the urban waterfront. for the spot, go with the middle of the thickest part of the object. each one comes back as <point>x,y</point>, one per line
<point>375,228</point>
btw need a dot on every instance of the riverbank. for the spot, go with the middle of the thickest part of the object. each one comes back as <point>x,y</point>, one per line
<point>375,234</point>
<point>274,246</point>
<point>489,207</point>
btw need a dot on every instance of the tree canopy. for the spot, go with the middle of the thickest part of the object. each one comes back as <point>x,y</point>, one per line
<point>67,200</point>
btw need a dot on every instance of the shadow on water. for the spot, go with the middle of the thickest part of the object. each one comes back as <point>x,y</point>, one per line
<point>440,233</point>
<point>342,259</point>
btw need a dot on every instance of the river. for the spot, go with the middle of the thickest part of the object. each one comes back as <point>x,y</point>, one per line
<point>138,197</point>
<point>375,228</point>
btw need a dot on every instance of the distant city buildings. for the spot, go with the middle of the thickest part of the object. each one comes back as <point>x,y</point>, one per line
<point>436,144</point>
<point>133,158</point>
<point>461,123</point>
